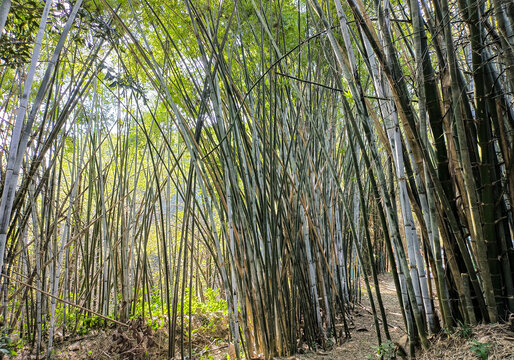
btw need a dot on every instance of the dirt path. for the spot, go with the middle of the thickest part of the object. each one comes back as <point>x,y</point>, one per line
<point>491,341</point>
<point>363,340</point>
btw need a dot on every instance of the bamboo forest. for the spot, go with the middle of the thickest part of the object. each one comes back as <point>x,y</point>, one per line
<point>256,179</point>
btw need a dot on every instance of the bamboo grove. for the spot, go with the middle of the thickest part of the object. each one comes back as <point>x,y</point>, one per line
<point>284,152</point>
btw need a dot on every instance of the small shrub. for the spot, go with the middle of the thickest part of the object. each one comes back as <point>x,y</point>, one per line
<point>464,330</point>
<point>6,346</point>
<point>481,349</point>
<point>386,350</point>
<point>89,323</point>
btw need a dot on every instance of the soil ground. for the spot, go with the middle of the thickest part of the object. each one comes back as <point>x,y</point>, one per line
<point>363,341</point>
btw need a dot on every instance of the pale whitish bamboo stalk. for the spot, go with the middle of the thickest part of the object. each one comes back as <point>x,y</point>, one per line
<point>231,239</point>
<point>422,191</point>
<point>423,280</point>
<point>393,134</point>
<point>408,220</point>
<point>53,249</point>
<point>505,20</point>
<point>420,184</point>
<point>232,266</point>
<point>426,192</point>
<point>25,270</point>
<point>319,197</point>
<point>341,263</point>
<point>4,11</point>
<point>36,236</point>
<point>133,220</point>
<point>310,267</point>
<point>17,144</point>
<point>436,248</point>
<point>21,145</point>
<point>125,236</point>
<point>356,211</point>
<point>104,227</point>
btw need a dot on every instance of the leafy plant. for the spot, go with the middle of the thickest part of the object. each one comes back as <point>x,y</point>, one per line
<point>481,349</point>
<point>89,323</point>
<point>6,346</point>
<point>464,330</point>
<point>386,350</point>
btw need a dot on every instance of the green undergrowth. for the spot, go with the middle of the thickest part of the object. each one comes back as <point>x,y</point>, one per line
<point>207,310</point>
<point>7,347</point>
<point>480,349</point>
<point>386,350</point>
<point>208,313</point>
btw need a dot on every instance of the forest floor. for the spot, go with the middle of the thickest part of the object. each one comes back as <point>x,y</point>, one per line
<point>492,342</point>
<point>141,342</point>
<point>363,342</point>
